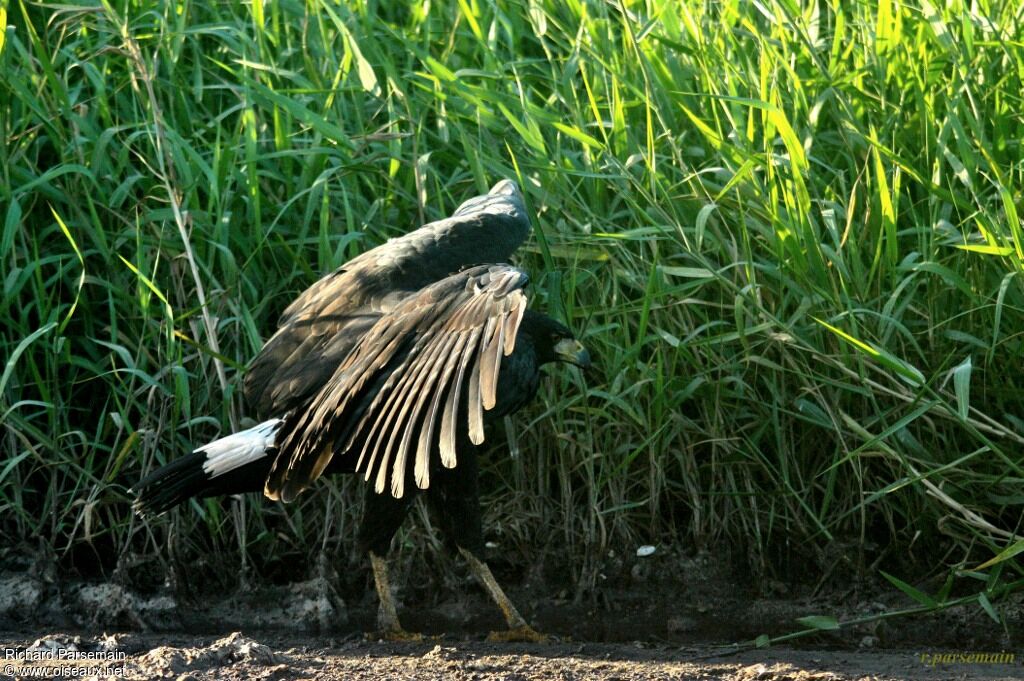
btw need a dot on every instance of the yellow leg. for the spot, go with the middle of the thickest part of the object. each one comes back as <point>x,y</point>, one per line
<point>387,615</point>
<point>518,629</point>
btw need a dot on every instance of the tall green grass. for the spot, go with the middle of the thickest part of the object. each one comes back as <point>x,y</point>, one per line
<point>788,231</point>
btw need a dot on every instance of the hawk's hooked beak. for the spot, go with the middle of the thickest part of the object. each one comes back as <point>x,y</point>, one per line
<point>572,351</point>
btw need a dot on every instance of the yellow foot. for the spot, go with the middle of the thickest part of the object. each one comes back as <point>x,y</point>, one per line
<point>396,636</point>
<point>525,634</point>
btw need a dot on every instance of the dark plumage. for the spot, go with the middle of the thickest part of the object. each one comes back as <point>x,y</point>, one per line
<point>392,367</point>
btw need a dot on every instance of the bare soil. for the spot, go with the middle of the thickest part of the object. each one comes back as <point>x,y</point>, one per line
<point>689,620</point>
<point>275,656</point>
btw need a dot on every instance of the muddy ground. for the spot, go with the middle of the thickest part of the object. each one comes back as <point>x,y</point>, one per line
<point>687,622</point>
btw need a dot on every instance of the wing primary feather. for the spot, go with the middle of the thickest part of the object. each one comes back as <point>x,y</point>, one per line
<point>412,391</point>
<point>383,413</point>
<point>420,391</point>
<point>372,446</point>
<point>513,321</point>
<point>328,409</point>
<point>451,407</point>
<point>490,360</point>
<point>385,408</point>
<point>474,406</point>
<point>309,457</point>
<point>374,427</point>
<point>287,474</point>
<point>390,408</point>
<point>355,422</point>
<point>444,387</point>
<point>373,436</point>
<point>374,410</point>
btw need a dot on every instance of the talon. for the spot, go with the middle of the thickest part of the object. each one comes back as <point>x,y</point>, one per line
<point>523,634</point>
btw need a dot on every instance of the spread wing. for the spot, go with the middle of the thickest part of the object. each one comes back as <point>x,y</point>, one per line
<point>398,398</point>
<point>319,329</point>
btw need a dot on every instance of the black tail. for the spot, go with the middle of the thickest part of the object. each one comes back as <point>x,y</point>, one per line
<point>170,485</point>
<point>234,464</point>
<point>185,478</point>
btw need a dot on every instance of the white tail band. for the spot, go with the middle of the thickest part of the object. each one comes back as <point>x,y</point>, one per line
<point>238,449</point>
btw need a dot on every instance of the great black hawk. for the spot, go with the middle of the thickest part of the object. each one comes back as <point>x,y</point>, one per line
<point>391,367</point>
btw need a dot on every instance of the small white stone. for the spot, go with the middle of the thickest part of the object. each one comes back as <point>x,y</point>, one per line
<point>645,550</point>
